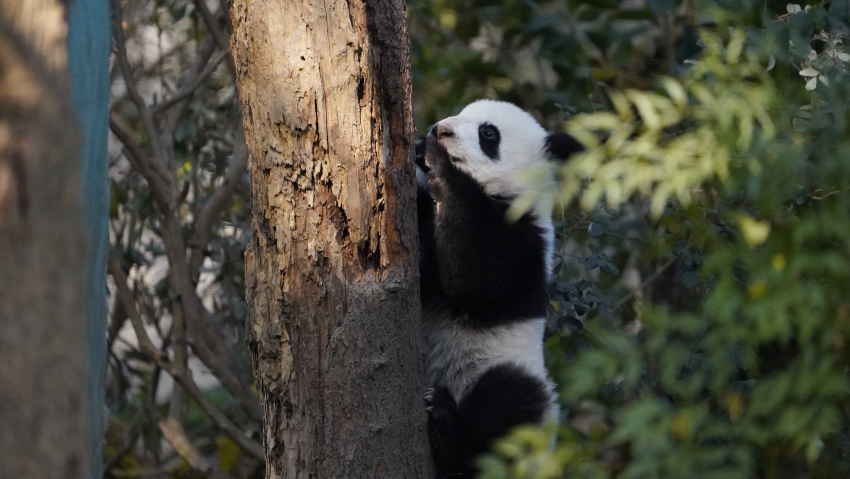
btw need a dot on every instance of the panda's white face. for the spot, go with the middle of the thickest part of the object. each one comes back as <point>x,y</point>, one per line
<point>496,143</point>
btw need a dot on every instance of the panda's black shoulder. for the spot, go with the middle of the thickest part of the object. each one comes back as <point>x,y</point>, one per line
<point>473,260</point>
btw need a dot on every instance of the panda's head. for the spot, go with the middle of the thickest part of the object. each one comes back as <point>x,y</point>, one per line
<point>501,146</point>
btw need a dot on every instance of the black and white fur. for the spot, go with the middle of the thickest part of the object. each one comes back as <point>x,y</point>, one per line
<point>485,278</point>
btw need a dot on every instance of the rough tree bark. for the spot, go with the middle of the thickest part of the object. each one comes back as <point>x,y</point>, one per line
<point>43,427</point>
<point>331,271</point>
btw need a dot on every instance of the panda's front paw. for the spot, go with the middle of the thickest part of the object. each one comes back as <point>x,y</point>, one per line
<point>419,147</point>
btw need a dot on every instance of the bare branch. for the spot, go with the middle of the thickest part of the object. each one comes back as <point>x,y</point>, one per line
<point>208,347</point>
<point>160,159</point>
<point>217,33</point>
<point>132,436</point>
<point>206,344</point>
<point>147,347</point>
<point>193,85</point>
<point>216,202</point>
<point>141,162</point>
<point>173,114</point>
<point>178,405</point>
<point>125,295</point>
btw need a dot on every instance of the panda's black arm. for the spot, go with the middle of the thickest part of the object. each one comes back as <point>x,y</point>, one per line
<point>487,267</point>
<point>429,279</point>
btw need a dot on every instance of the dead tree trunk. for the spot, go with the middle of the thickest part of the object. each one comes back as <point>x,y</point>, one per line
<point>331,271</point>
<point>43,427</point>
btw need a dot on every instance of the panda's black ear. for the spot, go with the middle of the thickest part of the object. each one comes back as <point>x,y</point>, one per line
<point>561,145</point>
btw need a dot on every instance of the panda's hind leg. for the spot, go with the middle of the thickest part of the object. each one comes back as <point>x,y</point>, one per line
<point>503,397</point>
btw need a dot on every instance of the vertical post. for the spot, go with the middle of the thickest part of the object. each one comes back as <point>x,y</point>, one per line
<point>89,43</point>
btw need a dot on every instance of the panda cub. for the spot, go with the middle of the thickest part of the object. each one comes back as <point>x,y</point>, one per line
<point>485,278</point>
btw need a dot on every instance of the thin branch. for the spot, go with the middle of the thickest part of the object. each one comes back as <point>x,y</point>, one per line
<point>216,202</point>
<point>206,343</point>
<point>217,37</point>
<point>147,347</point>
<point>178,405</point>
<point>125,295</point>
<point>193,85</point>
<point>221,38</point>
<point>129,443</point>
<point>173,115</point>
<point>117,320</point>
<point>227,427</point>
<point>141,162</point>
<point>160,158</point>
<point>166,198</point>
<point>208,347</point>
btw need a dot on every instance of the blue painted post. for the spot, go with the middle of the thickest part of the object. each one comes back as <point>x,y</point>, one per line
<point>89,44</point>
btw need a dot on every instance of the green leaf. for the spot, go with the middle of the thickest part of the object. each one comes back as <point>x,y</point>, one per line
<point>229,454</point>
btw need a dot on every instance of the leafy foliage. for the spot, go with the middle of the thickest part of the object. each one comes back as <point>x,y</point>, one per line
<point>700,317</point>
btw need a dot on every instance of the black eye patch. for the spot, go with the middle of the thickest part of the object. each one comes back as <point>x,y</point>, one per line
<point>488,140</point>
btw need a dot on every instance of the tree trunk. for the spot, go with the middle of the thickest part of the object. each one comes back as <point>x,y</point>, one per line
<point>331,270</point>
<point>43,426</point>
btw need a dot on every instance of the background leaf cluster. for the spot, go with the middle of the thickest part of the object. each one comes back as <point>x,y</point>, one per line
<point>700,315</point>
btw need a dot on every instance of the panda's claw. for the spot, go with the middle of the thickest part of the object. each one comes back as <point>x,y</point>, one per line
<point>429,394</point>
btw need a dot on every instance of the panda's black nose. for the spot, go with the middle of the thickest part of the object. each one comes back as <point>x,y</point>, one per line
<point>442,131</point>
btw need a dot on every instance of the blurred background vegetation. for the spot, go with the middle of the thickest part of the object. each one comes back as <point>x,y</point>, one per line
<point>700,314</point>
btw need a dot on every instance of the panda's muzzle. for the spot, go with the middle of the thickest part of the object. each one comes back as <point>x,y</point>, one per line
<point>441,131</point>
